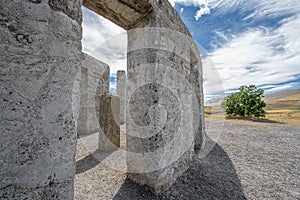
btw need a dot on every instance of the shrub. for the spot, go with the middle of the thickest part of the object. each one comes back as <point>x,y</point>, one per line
<point>246,102</point>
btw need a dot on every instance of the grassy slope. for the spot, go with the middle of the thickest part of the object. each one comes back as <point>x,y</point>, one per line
<point>284,107</point>
<point>281,107</point>
<point>286,95</point>
<point>288,100</point>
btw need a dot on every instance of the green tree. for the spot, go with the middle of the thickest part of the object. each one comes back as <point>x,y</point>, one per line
<point>246,102</point>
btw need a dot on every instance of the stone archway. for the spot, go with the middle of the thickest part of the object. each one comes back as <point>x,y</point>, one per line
<point>40,56</point>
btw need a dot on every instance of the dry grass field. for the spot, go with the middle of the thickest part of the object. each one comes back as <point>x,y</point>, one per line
<point>282,107</point>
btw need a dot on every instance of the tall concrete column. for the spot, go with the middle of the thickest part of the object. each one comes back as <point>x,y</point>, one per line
<point>121,92</point>
<point>160,95</point>
<point>40,57</point>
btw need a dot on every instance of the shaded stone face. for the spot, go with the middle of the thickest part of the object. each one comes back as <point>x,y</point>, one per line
<point>121,92</point>
<point>109,122</point>
<point>94,81</point>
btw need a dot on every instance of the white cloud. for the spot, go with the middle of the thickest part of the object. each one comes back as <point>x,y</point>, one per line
<point>113,52</point>
<point>205,10</point>
<point>205,6</point>
<point>222,35</point>
<point>261,8</point>
<point>281,87</point>
<point>260,56</point>
<point>104,40</point>
<point>194,2</point>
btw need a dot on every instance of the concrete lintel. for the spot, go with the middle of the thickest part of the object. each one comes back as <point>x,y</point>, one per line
<point>126,14</point>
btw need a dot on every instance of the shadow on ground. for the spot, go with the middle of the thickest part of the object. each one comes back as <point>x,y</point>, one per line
<point>213,177</point>
<point>253,119</point>
<point>91,161</point>
<point>83,135</point>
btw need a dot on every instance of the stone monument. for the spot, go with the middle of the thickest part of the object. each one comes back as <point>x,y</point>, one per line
<point>41,58</point>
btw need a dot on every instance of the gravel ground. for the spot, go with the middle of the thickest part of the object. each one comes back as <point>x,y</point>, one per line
<point>251,160</point>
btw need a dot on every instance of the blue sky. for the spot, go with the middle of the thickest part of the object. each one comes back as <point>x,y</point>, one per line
<point>246,42</point>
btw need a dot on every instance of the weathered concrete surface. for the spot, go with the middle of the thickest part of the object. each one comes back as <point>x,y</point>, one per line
<point>94,82</point>
<point>121,92</point>
<point>109,121</point>
<point>40,54</point>
<point>163,99</point>
<point>198,102</point>
<point>125,13</point>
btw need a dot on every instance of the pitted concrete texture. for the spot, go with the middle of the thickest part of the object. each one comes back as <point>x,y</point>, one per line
<point>94,82</point>
<point>121,92</point>
<point>109,121</point>
<point>198,105</point>
<point>40,57</point>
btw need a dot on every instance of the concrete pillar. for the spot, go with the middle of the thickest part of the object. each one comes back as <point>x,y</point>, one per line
<point>160,98</point>
<point>40,57</point>
<point>94,82</point>
<point>109,121</point>
<point>121,89</point>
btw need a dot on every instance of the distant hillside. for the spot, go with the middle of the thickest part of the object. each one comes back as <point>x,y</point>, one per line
<point>287,100</point>
<point>286,95</point>
<point>281,100</point>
